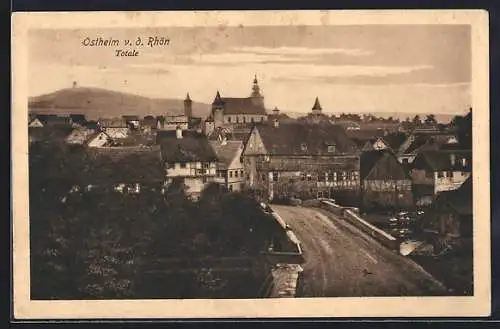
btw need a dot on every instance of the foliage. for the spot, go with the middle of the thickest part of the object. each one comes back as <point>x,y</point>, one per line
<point>97,244</point>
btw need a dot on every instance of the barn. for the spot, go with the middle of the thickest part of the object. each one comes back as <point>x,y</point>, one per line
<point>385,184</point>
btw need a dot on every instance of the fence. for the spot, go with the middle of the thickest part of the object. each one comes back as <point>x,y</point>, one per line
<point>350,215</point>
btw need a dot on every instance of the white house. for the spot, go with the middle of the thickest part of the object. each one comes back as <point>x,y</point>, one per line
<point>187,155</point>
<point>101,139</point>
<point>230,170</point>
<point>434,172</point>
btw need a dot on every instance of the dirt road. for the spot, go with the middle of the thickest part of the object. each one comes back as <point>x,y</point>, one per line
<point>343,261</point>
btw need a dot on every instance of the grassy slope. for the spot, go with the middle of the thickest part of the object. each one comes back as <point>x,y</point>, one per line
<point>97,102</point>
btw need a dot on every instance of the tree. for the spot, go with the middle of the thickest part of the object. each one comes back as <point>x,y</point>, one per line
<point>430,119</point>
<point>416,119</point>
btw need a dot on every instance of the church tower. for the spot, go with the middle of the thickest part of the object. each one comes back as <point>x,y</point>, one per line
<point>218,110</point>
<point>188,107</point>
<point>316,109</point>
<point>256,96</point>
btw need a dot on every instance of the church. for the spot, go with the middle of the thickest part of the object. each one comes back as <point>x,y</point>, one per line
<point>232,111</point>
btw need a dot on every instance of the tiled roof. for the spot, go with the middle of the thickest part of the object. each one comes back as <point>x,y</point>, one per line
<point>193,146</point>
<point>78,118</point>
<point>241,106</point>
<point>226,151</point>
<point>130,117</point>
<point>394,140</point>
<point>441,160</point>
<point>125,165</point>
<point>305,139</point>
<point>370,159</point>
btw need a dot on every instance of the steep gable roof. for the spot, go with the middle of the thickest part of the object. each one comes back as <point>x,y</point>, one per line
<point>442,160</point>
<point>305,139</point>
<point>393,169</point>
<point>193,146</point>
<point>226,152</point>
<point>234,105</point>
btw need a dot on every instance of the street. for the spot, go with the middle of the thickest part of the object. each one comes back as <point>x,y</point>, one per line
<point>342,261</point>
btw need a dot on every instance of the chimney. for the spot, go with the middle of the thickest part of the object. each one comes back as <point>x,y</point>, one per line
<point>178,132</point>
<point>276,123</point>
<point>452,159</point>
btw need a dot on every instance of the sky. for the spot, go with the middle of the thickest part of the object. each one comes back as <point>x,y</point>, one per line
<point>364,68</point>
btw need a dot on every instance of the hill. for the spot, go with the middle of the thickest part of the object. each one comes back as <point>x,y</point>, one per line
<point>98,102</point>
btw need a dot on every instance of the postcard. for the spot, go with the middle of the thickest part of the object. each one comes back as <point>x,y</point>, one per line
<point>250,164</point>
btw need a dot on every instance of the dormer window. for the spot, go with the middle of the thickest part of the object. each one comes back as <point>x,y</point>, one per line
<point>303,147</point>
<point>331,148</point>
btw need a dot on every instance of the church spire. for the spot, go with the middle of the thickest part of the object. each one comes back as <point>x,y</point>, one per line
<point>316,109</point>
<point>255,87</point>
<point>217,99</point>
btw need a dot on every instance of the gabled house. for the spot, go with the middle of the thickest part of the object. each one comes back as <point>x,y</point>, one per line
<point>99,139</point>
<point>385,183</point>
<point>415,143</point>
<point>452,213</point>
<point>230,171</point>
<point>301,160</point>
<point>115,128</point>
<point>35,123</point>
<point>434,172</point>
<point>188,156</point>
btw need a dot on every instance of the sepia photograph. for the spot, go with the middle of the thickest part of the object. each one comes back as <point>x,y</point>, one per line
<point>232,158</point>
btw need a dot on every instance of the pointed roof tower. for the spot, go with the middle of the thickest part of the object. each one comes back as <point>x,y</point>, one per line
<point>255,87</point>
<point>188,98</point>
<point>217,99</point>
<point>316,109</point>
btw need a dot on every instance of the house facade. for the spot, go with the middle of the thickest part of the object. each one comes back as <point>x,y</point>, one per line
<point>171,122</point>
<point>417,142</point>
<point>188,156</point>
<point>230,171</point>
<point>434,172</point>
<point>114,128</point>
<point>385,183</point>
<point>452,213</point>
<point>301,160</point>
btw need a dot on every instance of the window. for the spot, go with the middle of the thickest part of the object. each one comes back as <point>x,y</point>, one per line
<point>206,165</point>
<point>331,148</point>
<point>183,165</point>
<point>237,119</point>
<point>230,174</point>
<point>275,176</point>
<point>309,178</point>
<point>252,120</point>
<point>241,173</point>
<point>263,177</point>
<point>405,161</point>
<point>228,119</point>
<point>236,173</point>
<point>244,120</point>
<point>450,174</point>
<point>440,174</point>
<point>230,188</point>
